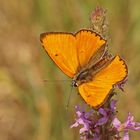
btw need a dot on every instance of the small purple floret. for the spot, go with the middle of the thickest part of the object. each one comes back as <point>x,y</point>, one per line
<point>129,124</point>
<point>122,83</point>
<point>82,119</point>
<point>107,113</point>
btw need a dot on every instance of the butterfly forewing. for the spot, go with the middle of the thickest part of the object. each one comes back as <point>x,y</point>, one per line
<point>61,47</point>
<point>88,43</point>
<point>71,51</point>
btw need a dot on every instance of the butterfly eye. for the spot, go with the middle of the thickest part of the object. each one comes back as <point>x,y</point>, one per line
<point>74,83</point>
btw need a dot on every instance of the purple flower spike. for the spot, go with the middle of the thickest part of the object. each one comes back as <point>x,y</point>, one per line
<point>103,123</point>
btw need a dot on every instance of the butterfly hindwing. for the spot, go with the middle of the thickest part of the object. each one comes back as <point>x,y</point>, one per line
<point>96,91</point>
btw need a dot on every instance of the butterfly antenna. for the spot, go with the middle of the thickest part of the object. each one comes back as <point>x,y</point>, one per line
<point>56,80</point>
<point>67,105</point>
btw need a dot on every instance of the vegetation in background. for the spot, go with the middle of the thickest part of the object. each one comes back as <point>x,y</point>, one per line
<point>33,109</point>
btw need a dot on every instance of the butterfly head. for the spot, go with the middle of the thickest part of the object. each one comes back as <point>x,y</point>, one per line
<point>77,83</point>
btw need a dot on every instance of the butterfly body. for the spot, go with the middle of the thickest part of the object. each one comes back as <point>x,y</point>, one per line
<point>88,72</point>
<point>83,57</point>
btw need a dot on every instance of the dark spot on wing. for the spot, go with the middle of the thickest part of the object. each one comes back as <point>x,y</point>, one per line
<point>88,96</point>
<point>82,51</point>
<point>56,54</point>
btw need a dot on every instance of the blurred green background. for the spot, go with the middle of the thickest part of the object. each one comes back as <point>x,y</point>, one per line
<point>31,109</point>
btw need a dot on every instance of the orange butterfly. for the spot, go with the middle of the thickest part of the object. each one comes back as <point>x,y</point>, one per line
<point>83,57</point>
